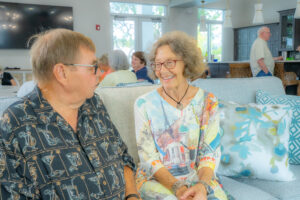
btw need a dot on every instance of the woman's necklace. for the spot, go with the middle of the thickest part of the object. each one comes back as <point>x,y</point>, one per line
<point>179,104</point>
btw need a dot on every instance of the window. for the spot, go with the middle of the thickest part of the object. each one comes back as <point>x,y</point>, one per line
<point>136,26</point>
<point>136,9</point>
<point>210,41</point>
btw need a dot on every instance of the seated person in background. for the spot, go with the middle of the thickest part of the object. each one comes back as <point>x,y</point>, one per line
<point>177,127</point>
<point>104,66</point>
<point>138,62</point>
<point>6,78</point>
<point>261,59</point>
<point>58,142</point>
<point>119,64</point>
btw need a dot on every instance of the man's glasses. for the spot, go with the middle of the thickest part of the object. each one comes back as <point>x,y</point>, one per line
<point>83,65</point>
<point>169,64</point>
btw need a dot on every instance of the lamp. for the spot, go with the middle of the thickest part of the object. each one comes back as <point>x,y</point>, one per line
<point>202,20</point>
<point>297,12</point>
<point>258,15</point>
<point>227,21</point>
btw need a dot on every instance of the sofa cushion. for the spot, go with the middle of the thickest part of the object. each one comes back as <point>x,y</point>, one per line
<point>119,102</point>
<point>263,97</point>
<point>240,90</point>
<point>241,191</point>
<point>255,141</point>
<point>280,189</point>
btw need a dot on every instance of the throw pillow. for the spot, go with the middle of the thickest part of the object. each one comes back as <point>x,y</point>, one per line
<point>254,141</point>
<point>294,102</point>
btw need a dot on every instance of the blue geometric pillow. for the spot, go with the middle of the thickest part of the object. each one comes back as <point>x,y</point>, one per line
<point>254,141</point>
<point>294,102</point>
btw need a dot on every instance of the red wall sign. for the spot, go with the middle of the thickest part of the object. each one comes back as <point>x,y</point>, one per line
<point>98,27</point>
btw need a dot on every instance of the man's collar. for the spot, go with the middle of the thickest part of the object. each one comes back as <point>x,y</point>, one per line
<point>45,112</point>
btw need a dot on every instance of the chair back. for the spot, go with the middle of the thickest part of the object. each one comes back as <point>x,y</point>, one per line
<point>290,78</point>
<point>240,70</point>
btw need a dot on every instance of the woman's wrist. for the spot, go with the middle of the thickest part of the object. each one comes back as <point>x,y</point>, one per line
<point>205,185</point>
<point>177,185</point>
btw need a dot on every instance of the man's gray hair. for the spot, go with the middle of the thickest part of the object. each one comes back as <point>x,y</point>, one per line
<point>118,60</point>
<point>261,30</point>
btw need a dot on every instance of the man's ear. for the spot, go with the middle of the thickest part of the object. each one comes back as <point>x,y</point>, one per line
<point>59,73</point>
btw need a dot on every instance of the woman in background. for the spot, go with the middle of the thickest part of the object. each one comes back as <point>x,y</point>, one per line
<point>119,65</point>
<point>177,127</point>
<point>104,66</point>
<point>6,78</point>
<point>139,63</point>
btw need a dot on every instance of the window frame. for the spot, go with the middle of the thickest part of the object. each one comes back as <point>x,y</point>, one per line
<point>138,19</point>
<point>208,23</point>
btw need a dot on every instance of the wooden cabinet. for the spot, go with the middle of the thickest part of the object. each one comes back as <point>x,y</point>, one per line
<point>244,38</point>
<point>289,30</point>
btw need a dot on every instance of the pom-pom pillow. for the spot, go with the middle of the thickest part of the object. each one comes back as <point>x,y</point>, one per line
<point>255,141</point>
<point>294,102</point>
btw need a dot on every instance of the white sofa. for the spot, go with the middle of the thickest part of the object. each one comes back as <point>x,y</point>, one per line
<point>119,102</point>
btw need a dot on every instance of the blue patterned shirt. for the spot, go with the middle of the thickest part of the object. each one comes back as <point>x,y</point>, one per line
<point>41,157</point>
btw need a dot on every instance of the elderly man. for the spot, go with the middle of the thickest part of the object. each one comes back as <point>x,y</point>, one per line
<point>261,59</point>
<point>58,142</point>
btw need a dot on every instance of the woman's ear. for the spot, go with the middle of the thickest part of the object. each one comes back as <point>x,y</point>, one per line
<point>60,73</point>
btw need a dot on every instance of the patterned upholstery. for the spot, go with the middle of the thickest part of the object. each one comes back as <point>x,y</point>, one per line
<point>293,101</point>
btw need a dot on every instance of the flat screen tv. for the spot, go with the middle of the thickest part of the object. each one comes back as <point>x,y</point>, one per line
<point>18,22</point>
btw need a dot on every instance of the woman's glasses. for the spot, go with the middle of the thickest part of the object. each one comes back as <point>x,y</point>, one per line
<point>169,64</point>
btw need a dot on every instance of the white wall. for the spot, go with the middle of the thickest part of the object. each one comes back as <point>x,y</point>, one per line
<point>86,14</point>
<point>183,19</point>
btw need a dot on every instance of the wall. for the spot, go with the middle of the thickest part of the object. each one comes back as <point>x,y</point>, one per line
<point>86,13</point>
<point>183,19</point>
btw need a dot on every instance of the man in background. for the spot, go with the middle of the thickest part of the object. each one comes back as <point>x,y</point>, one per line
<point>261,59</point>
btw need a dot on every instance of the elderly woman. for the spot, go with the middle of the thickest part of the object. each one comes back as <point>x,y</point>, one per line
<point>119,64</point>
<point>177,127</point>
<point>6,78</point>
<point>58,142</point>
<point>104,66</point>
<point>139,63</point>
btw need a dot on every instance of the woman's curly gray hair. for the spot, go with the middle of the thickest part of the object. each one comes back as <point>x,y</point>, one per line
<point>186,48</point>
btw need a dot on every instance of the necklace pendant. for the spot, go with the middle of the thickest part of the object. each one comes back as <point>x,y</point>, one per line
<point>179,106</point>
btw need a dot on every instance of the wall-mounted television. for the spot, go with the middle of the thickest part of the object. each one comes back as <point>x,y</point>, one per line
<point>18,22</point>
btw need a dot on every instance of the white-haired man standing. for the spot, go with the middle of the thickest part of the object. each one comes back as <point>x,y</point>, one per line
<point>261,59</point>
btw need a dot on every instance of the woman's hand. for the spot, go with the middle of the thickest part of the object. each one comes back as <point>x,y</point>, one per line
<point>196,192</point>
<point>181,191</point>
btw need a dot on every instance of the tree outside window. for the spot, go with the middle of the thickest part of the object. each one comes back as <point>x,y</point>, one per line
<point>135,26</point>
<point>210,41</point>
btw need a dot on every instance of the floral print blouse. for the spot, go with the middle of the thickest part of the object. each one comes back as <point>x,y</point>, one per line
<point>183,141</point>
